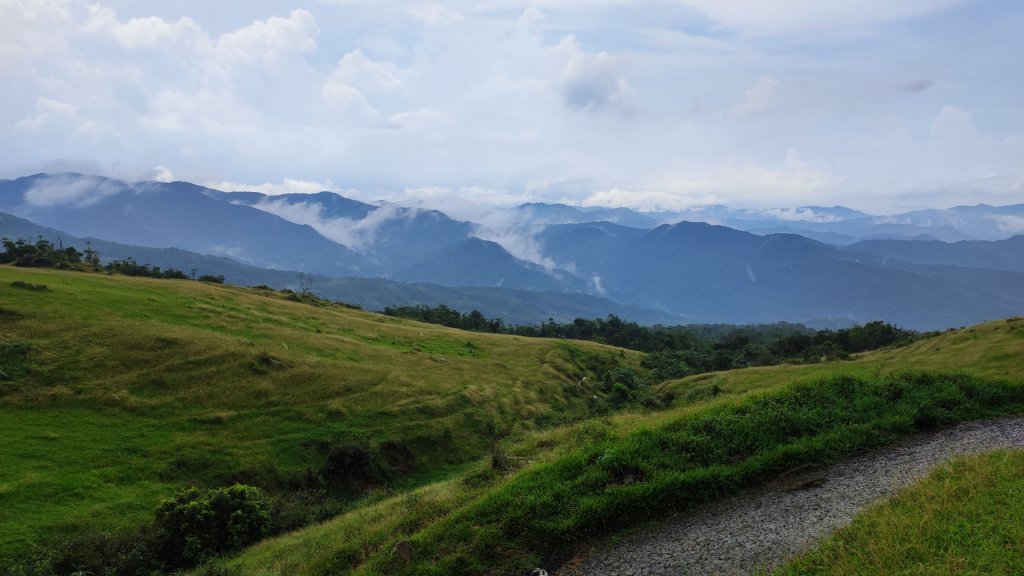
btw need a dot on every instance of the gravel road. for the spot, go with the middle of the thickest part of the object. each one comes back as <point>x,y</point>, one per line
<point>762,527</point>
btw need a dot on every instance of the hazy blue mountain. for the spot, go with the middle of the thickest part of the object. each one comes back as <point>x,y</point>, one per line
<point>982,221</point>
<point>589,248</point>
<point>996,255</point>
<point>175,215</point>
<point>834,238</point>
<point>824,223</point>
<point>390,236</point>
<point>716,273</point>
<point>541,213</point>
<point>329,204</point>
<point>511,305</point>
<point>410,235</point>
<point>707,273</point>
<point>476,262</point>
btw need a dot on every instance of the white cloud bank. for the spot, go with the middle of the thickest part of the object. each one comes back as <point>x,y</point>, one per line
<point>627,103</point>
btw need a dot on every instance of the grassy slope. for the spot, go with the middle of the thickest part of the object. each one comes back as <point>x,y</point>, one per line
<point>990,350</point>
<point>964,518</point>
<point>119,391</point>
<point>574,479</point>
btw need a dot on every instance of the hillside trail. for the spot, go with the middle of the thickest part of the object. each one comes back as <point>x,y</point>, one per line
<point>763,527</point>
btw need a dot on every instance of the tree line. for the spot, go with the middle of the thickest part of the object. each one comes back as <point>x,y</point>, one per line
<point>677,351</point>
<point>44,254</point>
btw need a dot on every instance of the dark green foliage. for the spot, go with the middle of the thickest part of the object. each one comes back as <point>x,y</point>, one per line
<point>191,527</point>
<point>617,482</point>
<point>41,254</point>
<point>30,286</point>
<point>352,465</point>
<point>14,359</point>
<point>218,279</point>
<point>198,524</point>
<point>679,351</point>
<point>129,267</point>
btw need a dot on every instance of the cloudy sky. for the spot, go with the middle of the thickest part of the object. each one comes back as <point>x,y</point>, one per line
<point>875,104</point>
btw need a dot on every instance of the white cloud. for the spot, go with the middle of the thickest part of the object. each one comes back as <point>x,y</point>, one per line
<point>48,110</point>
<point>435,13</point>
<point>590,81</point>
<point>649,200</point>
<point>474,100</point>
<point>952,122</point>
<point>286,186</point>
<point>74,191</point>
<point>531,15</point>
<point>271,43</point>
<point>799,215</point>
<point>789,16</point>
<point>148,32</point>
<point>793,182</point>
<point>355,69</point>
<point>758,98</point>
<point>1009,223</point>
<point>162,174</point>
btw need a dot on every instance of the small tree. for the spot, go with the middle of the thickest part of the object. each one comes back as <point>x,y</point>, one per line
<point>305,283</point>
<point>197,524</point>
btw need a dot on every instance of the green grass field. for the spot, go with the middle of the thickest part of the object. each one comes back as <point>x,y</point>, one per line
<point>117,392</point>
<point>965,518</point>
<point>120,391</point>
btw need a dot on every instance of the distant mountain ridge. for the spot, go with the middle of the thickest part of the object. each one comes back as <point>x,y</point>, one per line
<point>697,270</point>
<point>514,306</point>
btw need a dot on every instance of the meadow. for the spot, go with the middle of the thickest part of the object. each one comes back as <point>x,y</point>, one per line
<point>119,392</point>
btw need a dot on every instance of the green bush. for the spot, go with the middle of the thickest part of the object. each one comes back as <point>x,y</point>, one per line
<point>197,524</point>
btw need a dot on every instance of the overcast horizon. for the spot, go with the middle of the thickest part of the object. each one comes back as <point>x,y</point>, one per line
<point>882,107</point>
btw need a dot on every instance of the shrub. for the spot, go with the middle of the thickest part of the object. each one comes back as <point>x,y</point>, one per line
<point>198,524</point>
<point>350,463</point>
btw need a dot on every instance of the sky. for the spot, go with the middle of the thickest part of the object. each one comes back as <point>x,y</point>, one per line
<point>878,105</point>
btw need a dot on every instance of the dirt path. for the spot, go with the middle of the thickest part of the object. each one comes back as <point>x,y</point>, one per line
<point>763,527</point>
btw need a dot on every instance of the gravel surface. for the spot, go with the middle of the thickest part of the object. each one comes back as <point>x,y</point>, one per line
<point>763,527</point>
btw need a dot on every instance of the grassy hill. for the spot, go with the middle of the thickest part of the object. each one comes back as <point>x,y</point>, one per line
<point>990,350</point>
<point>596,477</point>
<point>117,392</point>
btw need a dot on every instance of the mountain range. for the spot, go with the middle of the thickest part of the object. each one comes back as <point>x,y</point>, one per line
<point>928,269</point>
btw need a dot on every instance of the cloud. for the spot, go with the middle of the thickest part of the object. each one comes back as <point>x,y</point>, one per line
<point>161,174</point>
<point>269,44</point>
<point>484,99</point>
<point>70,191</point>
<point>435,13</point>
<point>792,182</point>
<point>648,200</point>
<point>357,234</point>
<point>286,186</point>
<point>793,16</point>
<point>355,69</point>
<point>531,15</point>
<point>800,215</point>
<point>590,81</point>
<point>47,110</point>
<point>758,98</point>
<point>517,238</point>
<point>1009,223</point>
<point>952,122</point>
<point>149,32</point>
